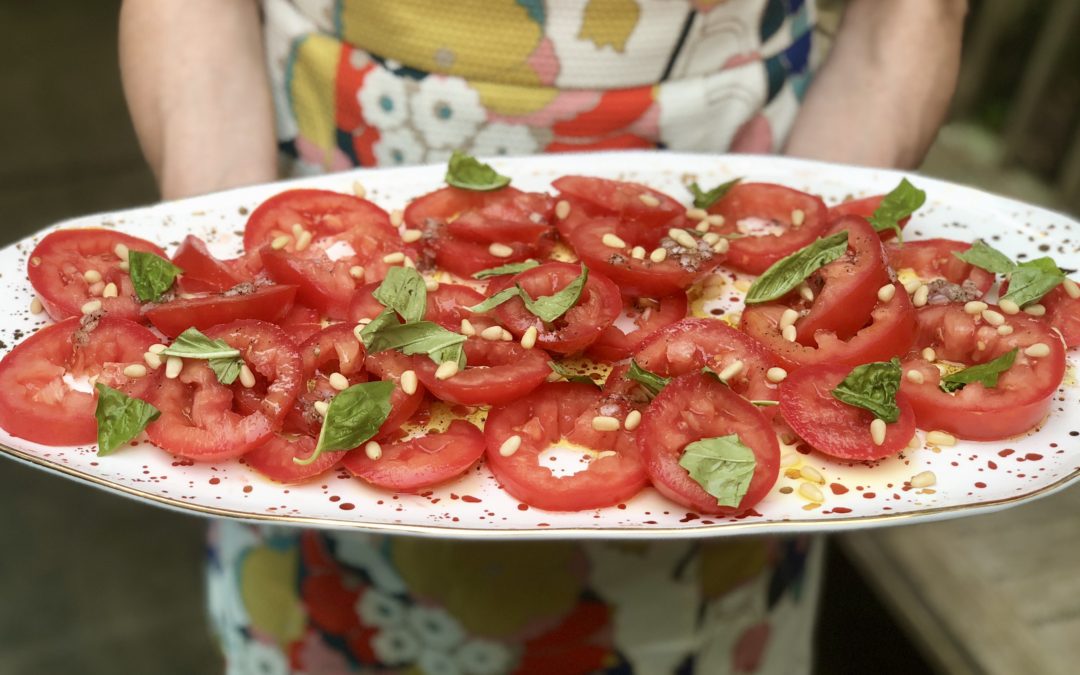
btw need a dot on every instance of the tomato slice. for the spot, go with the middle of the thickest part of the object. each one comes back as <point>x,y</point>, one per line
<point>763,214</point>
<point>833,427</point>
<point>47,378</point>
<point>624,200</point>
<point>465,258</point>
<point>1024,392</point>
<point>417,463</point>
<point>864,208</point>
<point>274,459</point>
<point>301,323</point>
<point>596,309</point>
<point>274,362</point>
<point>202,271</point>
<point>511,216</point>
<point>58,265</point>
<point>1063,313</point>
<point>692,344</point>
<point>890,333</point>
<point>202,310</point>
<point>694,407</point>
<point>845,290</point>
<point>334,349</point>
<point>446,306</point>
<point>950,278</point>
<point>390,365</point>
<point>562,414</point>
<point>323,213</point>
<point>643,317</point>
<point>497,372</point>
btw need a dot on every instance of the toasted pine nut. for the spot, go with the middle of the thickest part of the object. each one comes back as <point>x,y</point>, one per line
<point>303,240</point>
<point>528,340</point>
<point>562,209</point>
<point>702,227</point>
<point>776,375</point>
<point>606,423</point>
<point>1038,350</point>
<point>467,328</point>
<point>91,307</point>
<point>806,293</point>
<point>153,361</point>
<point>921,295</point>
<point>788,318</point>
<point>658,255</point>
<point>410,236</point>
<point>135,370</point>
<point>321,407</point>
<point>280,242</point>
<point>811,474</point>
<point>923,480</point>
<point>157,349</point>
<point>110,291</point>
<point>35,306</point>
<point>912,285</point>
<point>500,250</point>
<point>877,431</point>
<point>915,376</point>
<point>510,446</point>
<point>633,419</point>
<point>492,333</point>
<point>446,370</point>
<point>1071,288</point>
<point>697,214</point>
<point>929,354</point>
<point>715,219</point>
<point>1005,330</point>
<point>121,252</point>
<point>637,253</point>
<point>721,246</point>
<point>798,217</point>
<point>789,333</point>
<point>1035,310</point>
<point>373,450</point>
<point>612,240</point>
<point>886,293</point>
<point>92,276</point>
<point>711,238</point>
<point>409,382</point>
<point>1008,306</point>
<point>338,381</point>
<point>356,271</point>
<point>940,438</point>
<point>993,318</point>
<point>173,366</point>
<point>649,200</point>
<point>975,307</point>
<point>731,370</point>
<point>811,492</point>
<point>395,258</point>
<point>682,238</point>
<point>396,217</point>
<point>247,378</point>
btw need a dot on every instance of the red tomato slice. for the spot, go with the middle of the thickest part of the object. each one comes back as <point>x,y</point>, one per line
<point>1024,392</point>
<point>689,409</point>
<point>497,373</point>
<point>513,216</point>
<point>692,344</point>
<point>301,323</point>
<point>626,201</point>
<point>1063,313</point>
<point>58,263</point>
<point>865,208</point>
<point>202,310</point>
<point>47,398</point>
<point>202,271</point>
<point>950,278</point>
<point>562,413</point>
<point>833,427</point>
<point>390,365</point>
<point>324,214</point>
<point>417,463</point>
<point>274,459</point>
<point>446,306</point>
<point>763,212</point>
<point>845,290</point>
<point>465,258</point>
<point>646,316</point>
<point>334,349</point>
<point>890,333</point>
<point>635,276</point>
<point>596,309</point>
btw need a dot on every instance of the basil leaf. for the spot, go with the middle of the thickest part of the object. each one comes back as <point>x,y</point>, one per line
<point>787,273</point>
<point>987,257</point>
<point>404,291</point>
<point>468,173</point>
<point>873,387</point>
<point>151,275</point>
<point>1031,280</point>
<point>551,307</point>
<point>722,466</point>
<point>120,418</point>
<point>704,199</point>
<point>422,337</point>
<point>386,318</point>
<point>354,416</point>
<point>227,370</point>
<point>223,359</point>
<point>455,353</point>
<point>651,382</point>
<point>495,300</point>
<point>985,374</point>
<point>903,201</point>
<point>512,268</point>
<point>569,375</point>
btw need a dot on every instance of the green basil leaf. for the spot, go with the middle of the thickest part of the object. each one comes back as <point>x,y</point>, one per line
<point>495,300</point>
<point>455,353</point>
<point>551,307</point>
<point>649,381</point>
<point>404,291</point>
<point>722,466</point>
<point>120,418</point>
<point>227,370</point>
<point>422,337</point>
<point>704,199</point>
<point>873,387</point>
<point>468,173</point>
<point>1033,279</point>
<point>985,374</point>
<point>386,319</point>
<point>987,257</point>
<point>569,375</point>
<point>223,359</point>
<point>787,273</point>
<point>512,268</point>
<point>354,416</point>
<point>903,201</point>
<point>151,275</point>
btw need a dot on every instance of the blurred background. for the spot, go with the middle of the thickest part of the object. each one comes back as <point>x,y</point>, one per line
<point>91,582</point>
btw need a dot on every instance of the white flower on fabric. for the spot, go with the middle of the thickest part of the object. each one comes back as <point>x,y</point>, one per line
<point>483,657</point>
<point>257,658</point>
<point>435,627</point>
<point>395,647</point>
<point>398,147</point>
<point>434,662</point>
<point>499,138</point>
<point>702,114</point>
<point>363,551</point>
<point>383,99</point>
<point>376,608</point>
<point>446,111</point>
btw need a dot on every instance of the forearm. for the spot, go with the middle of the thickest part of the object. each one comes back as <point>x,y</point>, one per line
<point>884,90</point>
<point>197,89</point>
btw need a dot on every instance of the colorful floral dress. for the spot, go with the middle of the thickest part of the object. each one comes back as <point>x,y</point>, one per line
<point>370,82</point>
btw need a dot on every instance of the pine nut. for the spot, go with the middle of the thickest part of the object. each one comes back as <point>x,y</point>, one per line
<point>358,328</point>
<point>975,307</point>
<point>500,250</point>
<point>467,328</point>
<point>410,236</point>
<point>321,407</point>
<point>789,333</point>
<point>528,340</point>
<point>658,255</point>
<point>886,293</point>
<point>358,189</point>
<point>492,333</point>
<point>356,271</point>
<point>915,376</point>
<point>912,285</point>
<point>606,423</point>
<point>993,318</point>
<point>697,214</point>
<point>97,288</point>
<point>431,285</point>
<point>649,200</point>
<point>776,375</point>
<point>722,246</point>
<point>173,366</point>
<point>35,306</point>
<point>922,294</point>
<point>152,360</point>
<point>637,253</point>
<point>373,450</point>
<point>280,242</point>
<point>124,266</point>
<point>247,378</point>
<point>446,370</point>
<point>110,291</point>
<point>338,381</point>
<point>409,382</point>
<point>612,240</point>
<point>396,217</point>
<point>1038,350</point>
<point>877,431</point>
<point>811,474</point>
<point>1008,306</point>
<point>91,307</point>
<point>980,346</point>
<point>682,238</point>
<point>806,293</point>
<point>788,318</point>
<point>121,252</point>
<point>715,219</point>
<point>798,217</point>
<point>731,370</point>
<point>633,419</point>
<point>135,370</point>
<point>929,354</point>
<point>1035,310</point>
<point>1071,288</point>
<point>92,276</point>
<point>702,227</point>
<point>940,438</point>
<point>395,258</point>
<point>711,238</point>
<point>506,336</point>
<point>297,229</point>
<point>157,349</point>
<point>303,240</point>
<point>1005,330</point>
<point>811,492</point>
<point>562,209</point>
<point>923,480</point>
<point>510,446</point>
